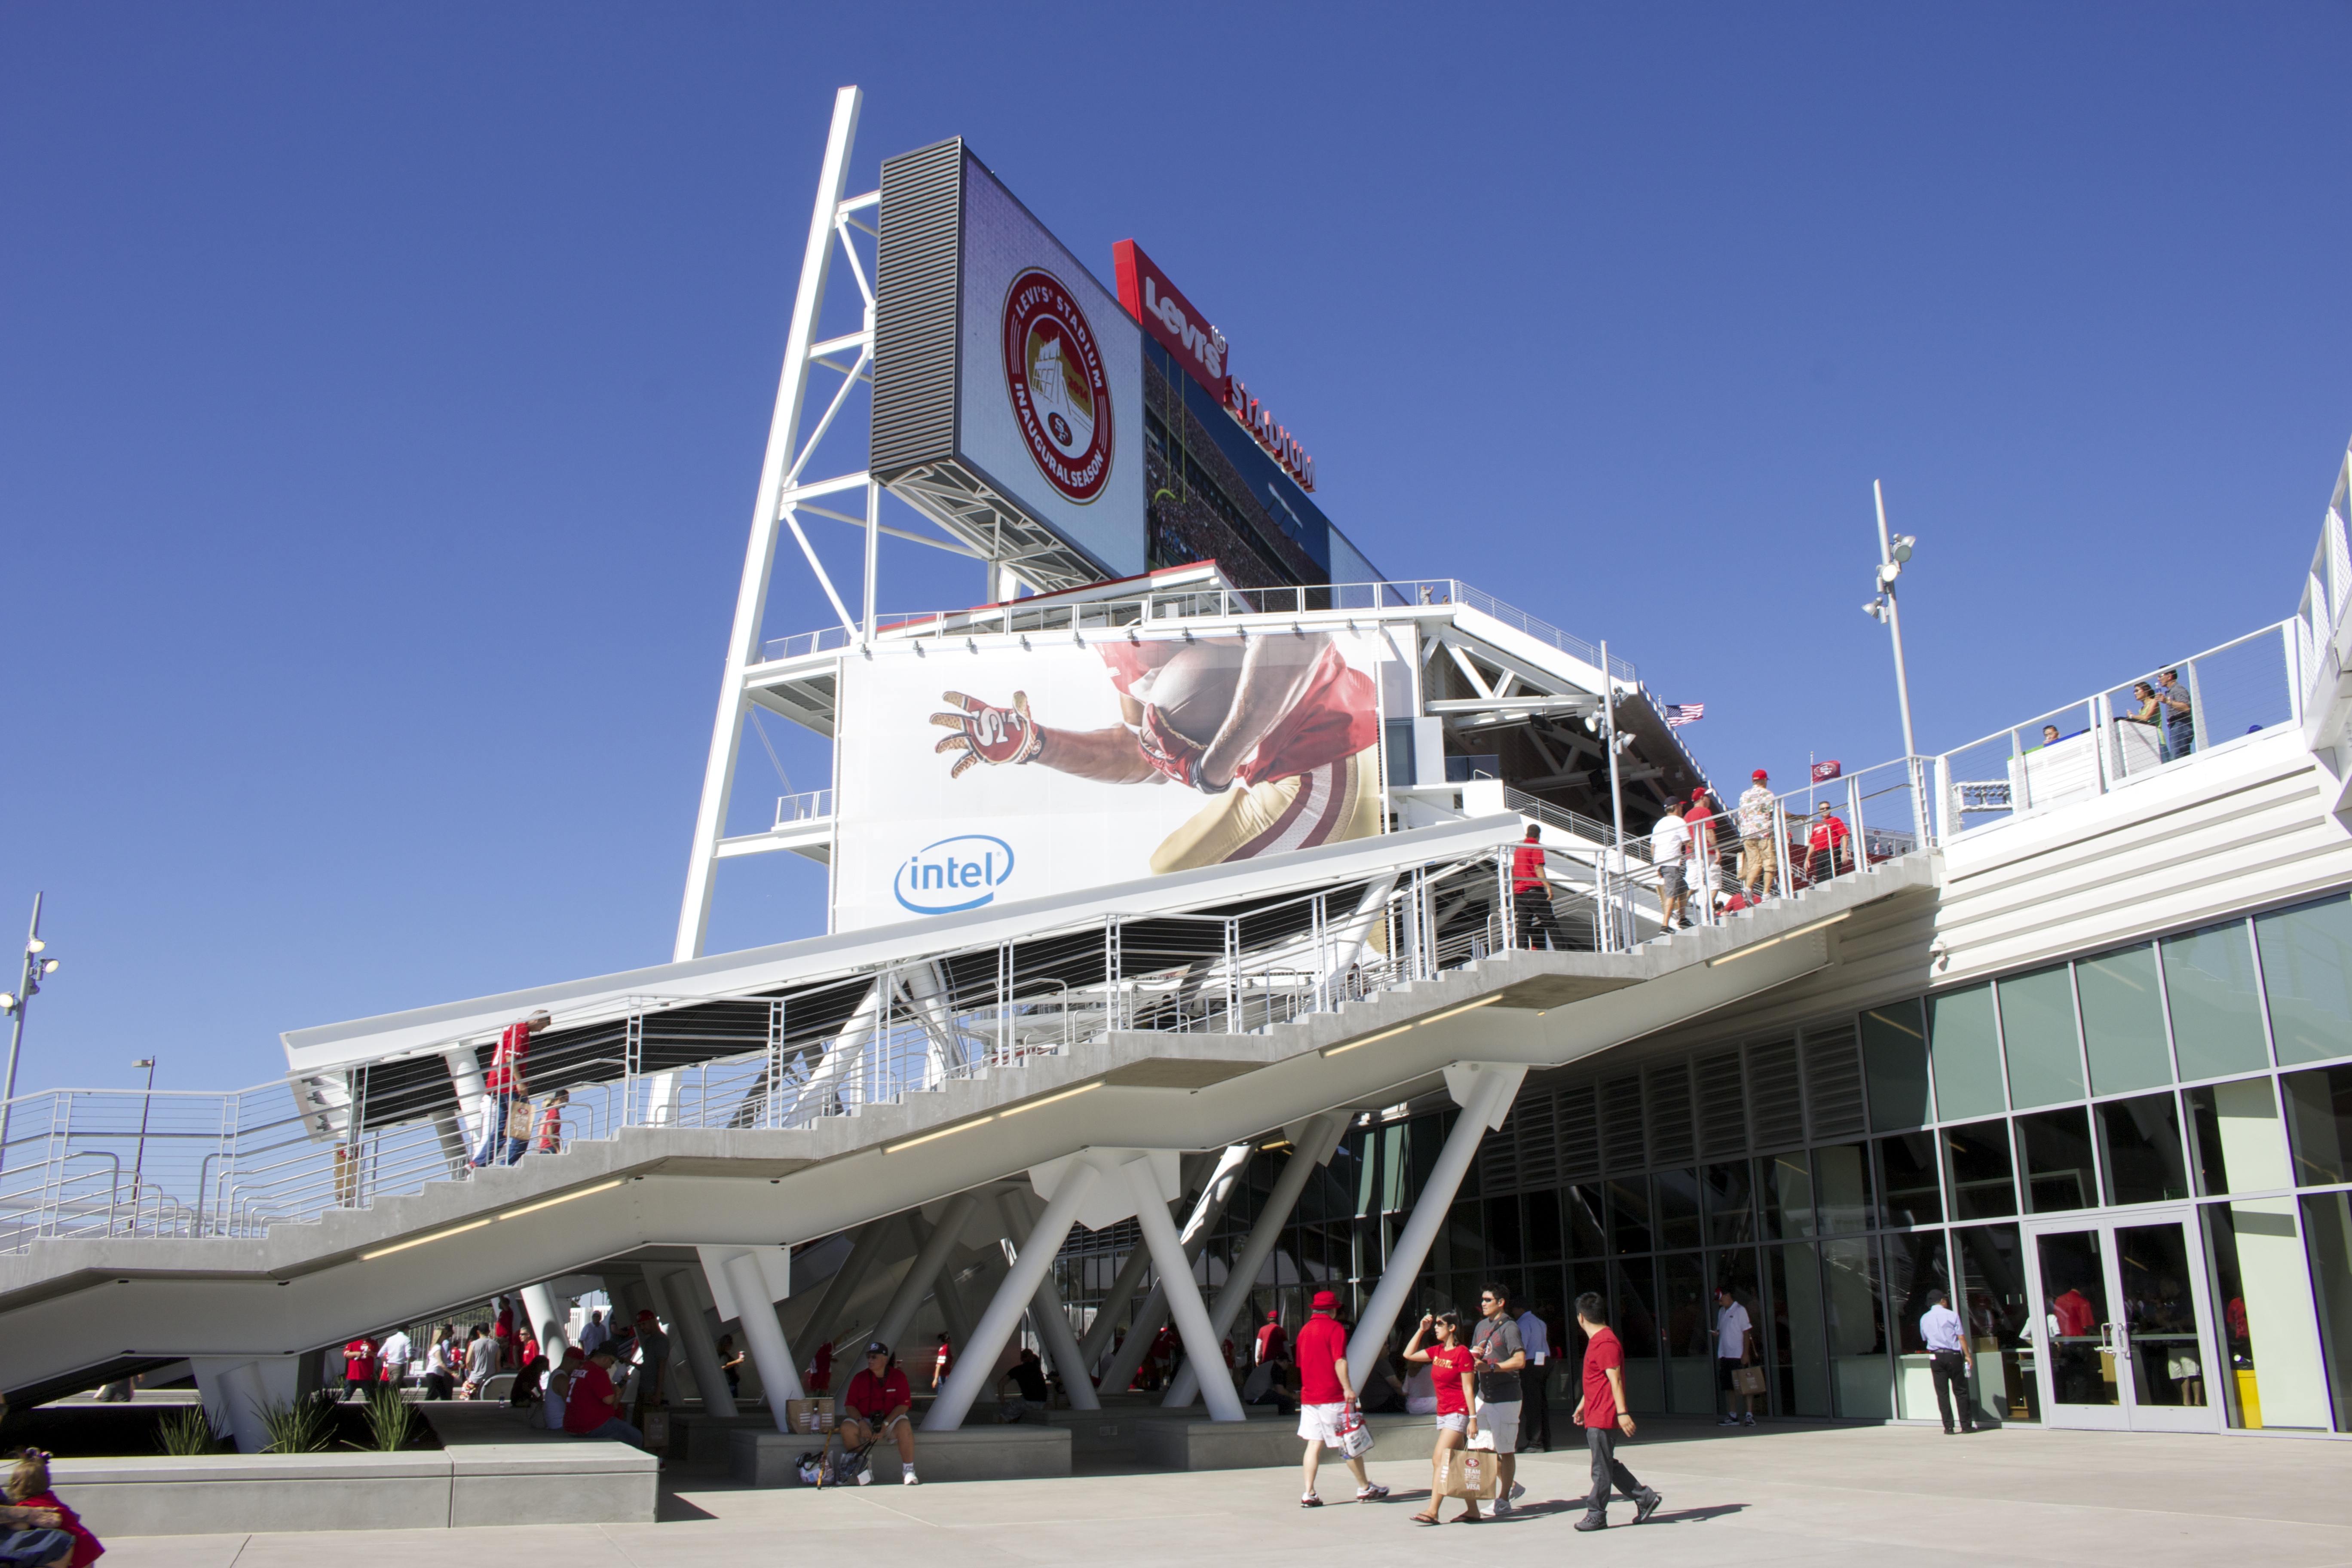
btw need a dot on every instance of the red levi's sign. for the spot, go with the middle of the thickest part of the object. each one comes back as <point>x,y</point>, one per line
<point>1167,315</point>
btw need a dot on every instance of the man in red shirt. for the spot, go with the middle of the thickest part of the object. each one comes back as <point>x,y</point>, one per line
<point>359,1367</point>
<point>942,1362</point>
<point>1326,1394</point>
<point>1531,895</point>
<point>875,1406</point>
<point>1602,1414</point>
<point>1270,1338</point>
<point>592,1407</point>
<point>819,1373</point>
<point>504,1081</point>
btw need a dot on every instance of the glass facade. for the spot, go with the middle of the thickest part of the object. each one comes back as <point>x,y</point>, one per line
<point>2150,1146</point>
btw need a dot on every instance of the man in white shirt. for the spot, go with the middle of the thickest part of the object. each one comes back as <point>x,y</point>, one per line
<point>593,1337</point>
<point>1758,858</point>
<point>1735,1347</point>
<point>394,1356</point>
<point>1669,850</point>
<point>1948,1354</point>
<point>1534,1401</point>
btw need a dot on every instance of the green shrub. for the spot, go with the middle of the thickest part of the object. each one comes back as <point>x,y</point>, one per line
<point>390,1421</point>
<point>187,1430</point>
<point>301,1426</point>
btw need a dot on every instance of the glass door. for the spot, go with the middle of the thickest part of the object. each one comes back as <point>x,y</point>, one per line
<point>2120,1320</point>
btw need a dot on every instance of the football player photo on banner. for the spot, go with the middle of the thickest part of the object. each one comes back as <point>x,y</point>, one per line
<point>1018,773</point>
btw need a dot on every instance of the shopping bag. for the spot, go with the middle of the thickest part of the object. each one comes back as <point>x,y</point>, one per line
<point>1469,1473</point>
<point>519,1119</point>
<point>1354,1438</point>
<point>1748,1380</point>
<point>657,1427</point>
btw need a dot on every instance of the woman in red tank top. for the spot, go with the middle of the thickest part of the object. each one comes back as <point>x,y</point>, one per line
<point>1451,1365</point>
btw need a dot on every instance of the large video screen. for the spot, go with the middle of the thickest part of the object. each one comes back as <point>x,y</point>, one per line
<point>1018,773</point>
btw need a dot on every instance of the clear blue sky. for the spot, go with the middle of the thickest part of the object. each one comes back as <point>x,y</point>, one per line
<point>383,390</point>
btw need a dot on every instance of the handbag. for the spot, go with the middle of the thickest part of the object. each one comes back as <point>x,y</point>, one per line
<point>1469,1473</point>
<point>1748,1380</point>
<point>519,1119</point>
<point>1355,1438</point>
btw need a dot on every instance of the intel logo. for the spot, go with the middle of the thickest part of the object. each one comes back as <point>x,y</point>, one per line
<point>959,873</point>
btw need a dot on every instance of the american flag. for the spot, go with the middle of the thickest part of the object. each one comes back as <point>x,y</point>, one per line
<point>1681,713</point>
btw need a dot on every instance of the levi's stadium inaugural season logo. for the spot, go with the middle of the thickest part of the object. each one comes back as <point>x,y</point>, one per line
<point>953,874</point>
<point>1053,373</point>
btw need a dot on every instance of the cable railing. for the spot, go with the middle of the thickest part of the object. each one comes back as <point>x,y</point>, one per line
<point>1149,606</point>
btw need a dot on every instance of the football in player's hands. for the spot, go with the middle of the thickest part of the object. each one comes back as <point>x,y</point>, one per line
<point>987,733</point>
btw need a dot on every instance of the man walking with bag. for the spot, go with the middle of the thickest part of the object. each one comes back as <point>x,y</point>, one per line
<point>1603,1414</point>
<point>1327,1398</point>
<point>1948,1353</point>
<point>1734,1352</point>
<point>1501,1359</point>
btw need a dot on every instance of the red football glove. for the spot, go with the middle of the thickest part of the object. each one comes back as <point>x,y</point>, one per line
<point>988,734</point>
<point>1171,752</point>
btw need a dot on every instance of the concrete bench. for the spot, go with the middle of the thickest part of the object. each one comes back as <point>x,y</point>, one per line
<point>536,1483</point>
<point>772,1458</point>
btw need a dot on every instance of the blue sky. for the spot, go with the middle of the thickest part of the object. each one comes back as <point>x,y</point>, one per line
<point>382,389</point>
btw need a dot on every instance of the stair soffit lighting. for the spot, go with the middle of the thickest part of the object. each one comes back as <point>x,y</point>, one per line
<point>372,1255</point>
<point>991,1116</point>
<point>1773,941</point>
<point>1417,1023</point>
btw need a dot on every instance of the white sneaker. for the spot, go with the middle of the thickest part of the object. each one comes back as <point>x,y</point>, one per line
<point>910,1475</point>
<point>1500,1507</point>
<point>1518,1491</point>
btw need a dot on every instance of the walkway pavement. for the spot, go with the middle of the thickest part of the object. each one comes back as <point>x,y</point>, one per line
<point>1821,1496</point>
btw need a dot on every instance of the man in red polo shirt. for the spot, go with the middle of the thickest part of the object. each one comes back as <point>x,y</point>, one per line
<point>359,1367</point>
<point>1269,1338</point>
<point>1327,1394</point>
<point>504,1081</point>
<point>1602,1414</point>
<point>875,1406</point>
<point>591,1406</point>
<point>1531,895</point>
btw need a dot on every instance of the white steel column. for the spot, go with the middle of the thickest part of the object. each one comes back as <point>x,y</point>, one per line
<point>692,1335</point>
<point>976,1368</point>
<point>466,1078</point>
<point>1486,1102</point>
<point>762,1334</point>
<point>1215,1193</point>
<point>1308,1151</point>
<point>932,1256</point>
<point>751,598</point>
<point>1183,1295</point>
<point>1047,1312</point>
<point>540,1302</point>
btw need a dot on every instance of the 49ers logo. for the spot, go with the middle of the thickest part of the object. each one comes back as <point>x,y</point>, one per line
<point>1053,371</point>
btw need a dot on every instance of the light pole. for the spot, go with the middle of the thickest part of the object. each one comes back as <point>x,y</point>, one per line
<point>139,1158</point>
<point>29,986</point>
<point>1892,554</point>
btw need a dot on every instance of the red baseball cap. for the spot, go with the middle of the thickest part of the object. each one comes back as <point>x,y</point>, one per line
<point>1758,774</point>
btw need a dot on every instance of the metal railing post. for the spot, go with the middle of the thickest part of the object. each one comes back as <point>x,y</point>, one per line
<point>1855,829</point>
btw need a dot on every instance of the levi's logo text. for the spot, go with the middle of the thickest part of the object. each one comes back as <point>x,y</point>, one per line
<point>953,874</point>
<point>1053,373</point>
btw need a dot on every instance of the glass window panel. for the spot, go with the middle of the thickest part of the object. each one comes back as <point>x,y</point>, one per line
<point>1628,1215</point>
<point>1964,1053</point>
<point>1690,1361</point>
<point>1634,1300</point>
<point>2217,1019</point>
<point>2327,1234</point>
<point>2209,1164</point>
<point>1788,1196</point>
<point>1984,1185</point>
<point>1677,1208</point>
<point>1907,1175</point>
<point>1894,1059</point>
<point>2307,969</point>
<point>2037,1026</point>
<point>1861,1375</point>
<point>1584,1231</point>
<point>1793,1337</point>
<point>1842,1177</point>
<point>2077,1308</point>
<point>2319,1110</point>
<point>1504,1245</point>
<point>2236,1141</point>
<point>1993,1303</point>
<point>1730,1196</point>
<point>2123,1021</point>
<point>1543,1224</point>
<point>2058,1159</point>
<point>2141,1140</point>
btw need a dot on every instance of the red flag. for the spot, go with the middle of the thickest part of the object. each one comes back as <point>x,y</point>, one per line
<point>1825,772</point>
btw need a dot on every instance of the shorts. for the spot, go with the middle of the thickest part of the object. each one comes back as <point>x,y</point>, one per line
<point>1670,879</point>
<point>1499,1426</point>
<point>1724,1369</point>
<point>1320,1422</point>
<point>1457,1421</point>
<point>2178,1367</point>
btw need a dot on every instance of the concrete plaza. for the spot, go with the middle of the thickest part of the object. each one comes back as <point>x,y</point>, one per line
<point>1819,1495</point>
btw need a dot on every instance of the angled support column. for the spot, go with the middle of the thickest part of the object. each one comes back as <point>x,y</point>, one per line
<point>473,1091</point>
<point>762,1334</point>
<point>932,1256</point>
<point>1176,1281</point>
<point>1484,1090</point>
<point>863,1250</point>
<point>1215,1193</point>
<point>691,1334</point>
<point>1045,1308</point>
<point>977,1368</point>
<point>540,1302</point>
<point>1310,1148</point>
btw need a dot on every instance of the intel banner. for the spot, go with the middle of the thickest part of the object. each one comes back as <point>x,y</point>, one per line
<point>967,778</point>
